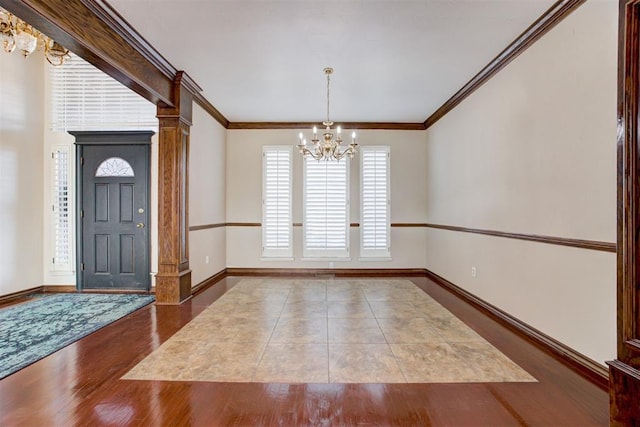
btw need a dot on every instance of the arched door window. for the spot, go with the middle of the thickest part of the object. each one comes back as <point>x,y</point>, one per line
<point>114,166</point>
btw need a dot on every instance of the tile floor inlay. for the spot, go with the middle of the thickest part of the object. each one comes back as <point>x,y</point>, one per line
<point>333,330</point>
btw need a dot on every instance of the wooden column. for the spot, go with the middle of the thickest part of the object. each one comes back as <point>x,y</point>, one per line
<point>173,281</point>
<point>624,372</point>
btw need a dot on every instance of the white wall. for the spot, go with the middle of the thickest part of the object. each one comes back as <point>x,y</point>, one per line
<point>244,198</point>
<point>21,124</point>
<point>534,151</point>
<point>207,180</point>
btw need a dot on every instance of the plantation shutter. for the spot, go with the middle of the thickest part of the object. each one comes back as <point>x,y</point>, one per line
<point>326,208</point>
<point>85,98</point>
<point>276,202</point>
<point>61,205</point>
<point>374,226</point>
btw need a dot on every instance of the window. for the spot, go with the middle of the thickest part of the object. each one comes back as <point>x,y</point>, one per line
<point>276,202</point>
<point>326,208</point>
<point>85,98</point>
<point>114,166</point>
<point>61,197</point>
<point>375,203</point>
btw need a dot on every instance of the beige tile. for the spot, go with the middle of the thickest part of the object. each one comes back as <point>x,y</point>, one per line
<point>363,363</point>
<point>345,294</point>
<point>300,331</point>
<point>395,309</point>
<point>305,309</point>
<point>349,309</point>
<point>488,364</point>
<point>430,362</point>
<point>407,331</point>
<point>452,329</point>
<point>238,308</point>
<point>389,293</point>
<point>294,363</point>
<point>229,330</point>
<point>362,331</point>
<point>304,291</point>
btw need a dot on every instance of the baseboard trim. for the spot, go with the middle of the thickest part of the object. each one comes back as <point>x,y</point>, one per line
<point>586,367</point>
<point>338,272</point>
<point>62,289</point>
<point>9,298</point>
<point>208,282</point>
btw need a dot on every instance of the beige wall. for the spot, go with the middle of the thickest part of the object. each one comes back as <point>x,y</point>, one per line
<point>534,151</point>
<point>207,248</point>
<point>244,198</point>
<point>21,179</point>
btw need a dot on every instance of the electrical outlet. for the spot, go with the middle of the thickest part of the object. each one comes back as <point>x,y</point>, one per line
<point>474,272</point>
<point>330,264</point>
<point>206,259</point>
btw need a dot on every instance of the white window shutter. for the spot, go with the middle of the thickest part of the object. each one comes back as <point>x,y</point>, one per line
<point>61,196</point>
<point>85,98</point>
<point>326,208</point>
<point>375,202</point>
<point>276,202</point>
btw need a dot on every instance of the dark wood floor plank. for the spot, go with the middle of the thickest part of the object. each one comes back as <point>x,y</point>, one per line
<point>80,385</point>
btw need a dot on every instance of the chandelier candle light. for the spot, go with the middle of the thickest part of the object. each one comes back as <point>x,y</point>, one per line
<point>328,148</point>
<point>15,33</point>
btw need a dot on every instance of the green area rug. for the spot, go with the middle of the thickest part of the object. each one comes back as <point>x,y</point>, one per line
<point>37,328</point>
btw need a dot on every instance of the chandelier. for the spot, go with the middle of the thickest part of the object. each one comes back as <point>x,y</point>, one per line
<point>329,147</point>
<point>15,33</point>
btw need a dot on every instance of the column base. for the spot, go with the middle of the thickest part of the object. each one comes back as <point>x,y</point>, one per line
<point>624,394</point>
<point>173,289</point>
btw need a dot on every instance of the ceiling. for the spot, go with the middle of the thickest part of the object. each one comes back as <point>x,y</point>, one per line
<point>394,60</point>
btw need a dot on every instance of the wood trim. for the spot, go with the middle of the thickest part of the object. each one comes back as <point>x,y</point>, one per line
<point>345,125</point>
<point>121,26</point>
<point>624,384</point>
<point>207,226</point>
<point>66,289</point>
<point>92,31</point>
<point>208,282</point>
<point>552,240</point>
<point>583,365</point>
<point>209,108</point>
<point>408,224</point>
<point>338,272</point>
<point>556,13</point>
<point>243,224</point>
<point>10,298</point>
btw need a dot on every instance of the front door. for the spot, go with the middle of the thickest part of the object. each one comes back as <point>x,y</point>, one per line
<point>113,230</point>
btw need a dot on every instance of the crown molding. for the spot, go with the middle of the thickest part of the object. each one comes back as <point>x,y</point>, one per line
<point>344,125</point>
<point>556,13</point>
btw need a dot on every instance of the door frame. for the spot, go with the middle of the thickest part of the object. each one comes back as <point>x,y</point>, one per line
<point>84,138</point>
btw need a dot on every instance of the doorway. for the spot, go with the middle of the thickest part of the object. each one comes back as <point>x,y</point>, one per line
<point>113,235</point>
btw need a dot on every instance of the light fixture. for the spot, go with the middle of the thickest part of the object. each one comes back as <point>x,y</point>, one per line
<point>327,148</point>
<point>15,33</point>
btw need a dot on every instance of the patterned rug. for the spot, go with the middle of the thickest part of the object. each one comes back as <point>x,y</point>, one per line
<point>37,328</point>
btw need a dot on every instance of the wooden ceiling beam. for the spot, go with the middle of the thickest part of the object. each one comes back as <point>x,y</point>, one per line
<point>94,31</point>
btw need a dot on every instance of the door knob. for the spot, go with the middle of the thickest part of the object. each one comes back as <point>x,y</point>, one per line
<point>140,225</point>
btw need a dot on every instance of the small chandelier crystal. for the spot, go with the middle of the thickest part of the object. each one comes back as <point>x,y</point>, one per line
<point>15,33</point>
<point>329,147</point>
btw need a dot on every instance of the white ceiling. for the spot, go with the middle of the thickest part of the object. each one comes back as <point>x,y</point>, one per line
<point>394,60</point>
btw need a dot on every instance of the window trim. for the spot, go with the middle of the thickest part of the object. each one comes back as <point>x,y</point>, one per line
<point>277,253</point>
<point>375,254</point>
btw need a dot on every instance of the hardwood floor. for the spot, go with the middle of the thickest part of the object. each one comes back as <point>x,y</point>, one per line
<point>80,385</point>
